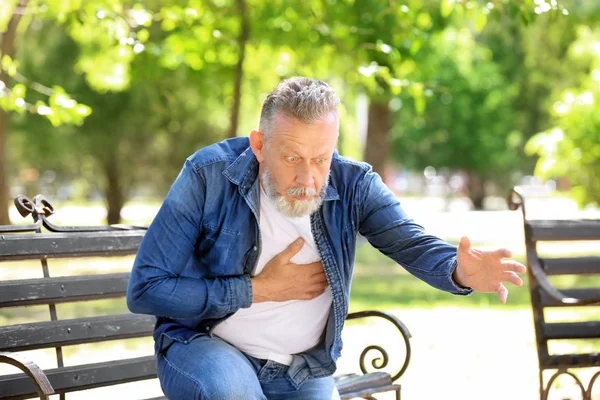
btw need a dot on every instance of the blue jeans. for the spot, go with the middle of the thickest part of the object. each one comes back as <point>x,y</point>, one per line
<point>210,368</point>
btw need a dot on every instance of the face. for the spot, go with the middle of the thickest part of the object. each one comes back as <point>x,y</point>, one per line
<point>295,162</point>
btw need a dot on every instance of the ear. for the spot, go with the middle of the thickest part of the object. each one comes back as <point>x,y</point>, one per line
<point>257,143</point>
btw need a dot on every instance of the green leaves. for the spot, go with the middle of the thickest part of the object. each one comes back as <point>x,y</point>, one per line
<point>416,91</point>
<point>19,90</point>
<point>572,147</point>
<point>61,109</point>
<point>9,65</point>
<point>457,110</point>
<point>11,101</point>
<point>446,7</point>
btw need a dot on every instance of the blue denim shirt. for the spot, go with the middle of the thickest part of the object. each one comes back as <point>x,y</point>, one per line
<point>194,264</point>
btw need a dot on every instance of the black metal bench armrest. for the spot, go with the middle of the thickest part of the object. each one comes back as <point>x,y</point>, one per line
<point>42,384</point>
<point>378,363</point>
<point>516,200</point>
<point>554,293</point>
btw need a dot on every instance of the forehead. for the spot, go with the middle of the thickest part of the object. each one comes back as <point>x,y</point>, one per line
<point>289,134</point>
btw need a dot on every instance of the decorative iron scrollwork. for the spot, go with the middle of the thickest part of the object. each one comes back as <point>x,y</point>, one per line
<point>381,362</point>
<point>591,385</point>
<point>41,209</point>
<point>516,199</point>
<point>586,393</point>
<point>41,382</point>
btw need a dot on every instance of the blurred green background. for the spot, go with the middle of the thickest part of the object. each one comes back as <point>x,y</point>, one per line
<point>103,100</point>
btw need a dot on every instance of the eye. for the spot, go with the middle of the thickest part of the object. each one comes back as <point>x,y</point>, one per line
<point>321,160</point>
<point>292,159</point>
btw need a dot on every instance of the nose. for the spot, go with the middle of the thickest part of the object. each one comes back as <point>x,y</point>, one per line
<point>304,175</point>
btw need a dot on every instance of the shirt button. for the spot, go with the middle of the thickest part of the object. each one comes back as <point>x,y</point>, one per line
<point>255,248</point>
<point>207,328</point>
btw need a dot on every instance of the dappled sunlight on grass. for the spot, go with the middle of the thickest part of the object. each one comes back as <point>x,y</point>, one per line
<point>380,283</point>
<point>575,281</point>
<point>572,314</point>
<point>404,290</point>
<point>81,309</point>
<point>65,267</point>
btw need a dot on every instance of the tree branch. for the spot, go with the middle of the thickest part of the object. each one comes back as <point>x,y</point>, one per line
<point>38,87</point>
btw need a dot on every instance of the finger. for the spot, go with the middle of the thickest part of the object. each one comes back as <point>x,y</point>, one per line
<point>502,293</point>
<point>315,268</point>
<point>292,249</point>
<point>310,295</point>
<point>511,277</point>
<point>320,275</point>
<point>514,266</point>
<point>503,253</point>
<point>317,287</point>
<point>316,279</point>
<point>465,244</point>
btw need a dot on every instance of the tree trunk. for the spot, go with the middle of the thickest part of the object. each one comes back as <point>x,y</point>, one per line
<point>476,188</point>
<point>4,195</point>
<point>378,129</point>
<point>239,69</point>
<point>115,199</point>
<point>8,48</point>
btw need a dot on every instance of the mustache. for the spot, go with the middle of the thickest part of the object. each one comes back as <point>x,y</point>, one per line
<point>301,191</point>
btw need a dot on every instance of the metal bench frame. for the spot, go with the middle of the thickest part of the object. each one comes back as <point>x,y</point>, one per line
<point>545,295</point>
<point>18,243</point>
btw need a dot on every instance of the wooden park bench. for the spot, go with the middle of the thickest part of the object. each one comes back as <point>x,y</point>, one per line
<point>544,295</point>
<point>27,242</point>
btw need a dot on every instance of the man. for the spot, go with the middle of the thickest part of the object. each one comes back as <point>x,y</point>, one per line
<point>248,263</point>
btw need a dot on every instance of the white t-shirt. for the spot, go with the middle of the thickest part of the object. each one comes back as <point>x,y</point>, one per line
<point>277,330</point>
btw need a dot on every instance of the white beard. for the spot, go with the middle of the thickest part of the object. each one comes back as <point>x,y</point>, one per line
<point>296,208</point>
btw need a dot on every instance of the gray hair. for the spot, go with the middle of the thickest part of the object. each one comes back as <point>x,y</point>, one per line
<point>304,99</point>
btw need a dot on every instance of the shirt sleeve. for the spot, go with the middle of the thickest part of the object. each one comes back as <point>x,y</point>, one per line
<point>384,223</point>
<point>156,286</point>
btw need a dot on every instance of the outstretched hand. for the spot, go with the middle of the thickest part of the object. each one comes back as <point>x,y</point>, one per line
<point>486,271</point>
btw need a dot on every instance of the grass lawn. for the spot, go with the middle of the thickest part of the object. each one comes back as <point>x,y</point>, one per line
<point>380,283</point>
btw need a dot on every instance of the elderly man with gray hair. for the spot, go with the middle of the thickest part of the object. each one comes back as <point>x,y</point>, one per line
<point>248,263</point>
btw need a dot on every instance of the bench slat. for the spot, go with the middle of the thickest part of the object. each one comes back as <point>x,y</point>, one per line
<point>563,229</point>
<point>69,379</point>
<point>27,292</point>
<point>89,376</point>
<point>353,383</point>
<point>40,335</point>
<point>583,294</point>
<point>571,266</point>
<point>571,360</point>
<point>572,330</point>
<point>368,393</point>
<point>52,245</point>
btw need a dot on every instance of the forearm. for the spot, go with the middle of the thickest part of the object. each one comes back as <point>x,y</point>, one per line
<point>183,297</point>
<point>433,261</point>
<point>387,227</point>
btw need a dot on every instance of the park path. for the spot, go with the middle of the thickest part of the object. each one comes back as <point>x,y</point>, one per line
<point>460,353</point>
